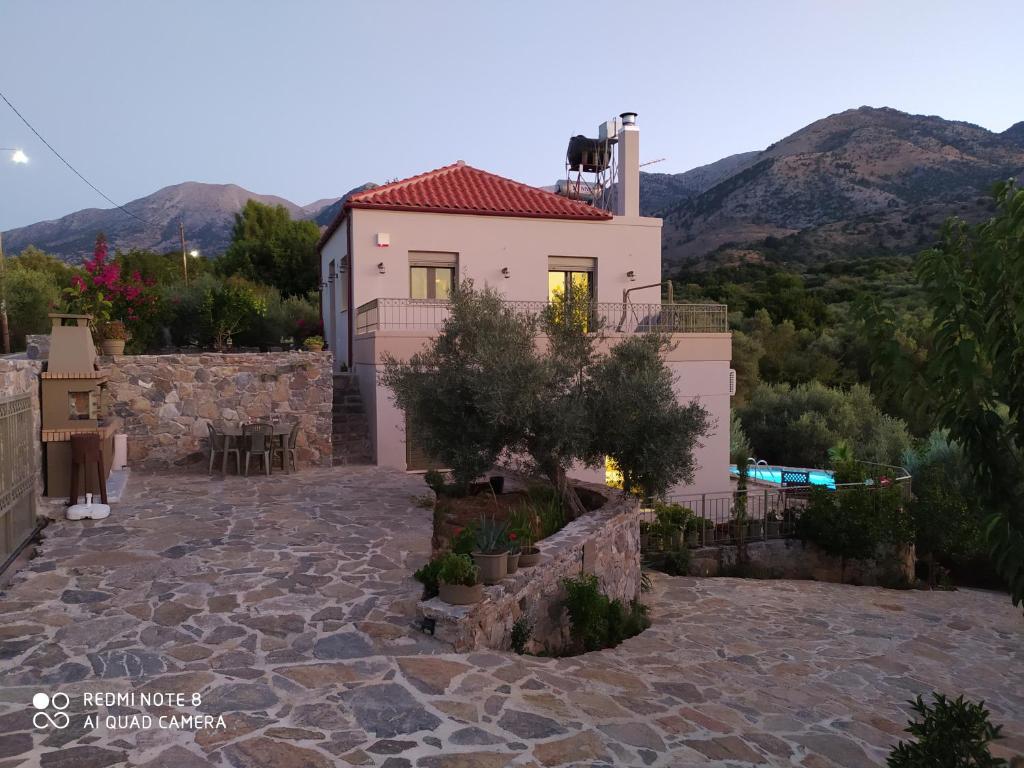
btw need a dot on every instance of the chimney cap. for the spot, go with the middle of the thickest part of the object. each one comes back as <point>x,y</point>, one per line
<point>628,118</point>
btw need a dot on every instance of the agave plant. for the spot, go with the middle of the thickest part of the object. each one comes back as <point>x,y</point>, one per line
<point>491,536</point>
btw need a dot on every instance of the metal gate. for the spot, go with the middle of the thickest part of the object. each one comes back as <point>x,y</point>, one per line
<point>18,473</point>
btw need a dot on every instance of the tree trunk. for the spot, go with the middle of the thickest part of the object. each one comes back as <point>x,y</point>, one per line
<point>573,506</point>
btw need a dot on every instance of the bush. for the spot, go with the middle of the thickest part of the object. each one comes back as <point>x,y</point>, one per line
<point>522,629</point>
<point>796,426</point>
<point>31,296</point>
<point>596,621</point>
<point>949,734</point>
<point>457,570</point>
<point>427,576</point>
<point>675,563</point>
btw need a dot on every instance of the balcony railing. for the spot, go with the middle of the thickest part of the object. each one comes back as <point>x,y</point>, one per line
<point>429,314</point>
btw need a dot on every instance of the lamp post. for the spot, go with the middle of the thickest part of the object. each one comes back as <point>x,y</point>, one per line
<point>19,158</point>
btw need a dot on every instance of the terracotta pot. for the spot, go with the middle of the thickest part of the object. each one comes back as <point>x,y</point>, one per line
<point>529,557</point>
<point>493,567</point>
<point>459,594</point>
<point>314,347</point>
<point>112,347</point>
<point>512,564</point>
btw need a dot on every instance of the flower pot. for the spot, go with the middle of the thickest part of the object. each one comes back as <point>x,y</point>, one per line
<point>460,594</point>
<point>512,564</point>
<point>529,557</point>
<point>497,484</point>
<point>112,346</point>
<point>314,347</point>
<point>493,567</point>
<point>774,528</point>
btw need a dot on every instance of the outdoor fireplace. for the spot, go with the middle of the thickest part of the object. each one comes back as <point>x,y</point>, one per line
<point>74,402</point>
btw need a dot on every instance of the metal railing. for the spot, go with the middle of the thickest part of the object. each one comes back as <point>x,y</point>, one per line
<point>627,317</point>
<point>768,513</point>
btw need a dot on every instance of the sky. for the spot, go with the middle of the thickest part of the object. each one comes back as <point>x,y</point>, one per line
<point>306,99</point>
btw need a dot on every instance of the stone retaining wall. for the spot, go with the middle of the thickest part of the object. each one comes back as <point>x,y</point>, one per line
<point>166,401</point>
<point>606,540</point>
<point>18,376</point>
<point>795,559</point>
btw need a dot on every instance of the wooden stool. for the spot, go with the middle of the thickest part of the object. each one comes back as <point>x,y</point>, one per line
<point>86,450</point>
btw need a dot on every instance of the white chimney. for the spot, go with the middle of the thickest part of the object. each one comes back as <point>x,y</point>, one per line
<point>628,194</point>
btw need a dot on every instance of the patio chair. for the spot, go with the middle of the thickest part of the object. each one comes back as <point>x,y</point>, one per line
<point>259,439</point>
<point>219,444</point>
<point>286,449</point>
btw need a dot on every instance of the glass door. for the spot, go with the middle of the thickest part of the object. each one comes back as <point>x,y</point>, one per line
<point>572,294</point>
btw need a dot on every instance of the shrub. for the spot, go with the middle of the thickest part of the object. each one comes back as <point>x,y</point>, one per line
<point>464,540</point>
<point>949,734</point>
<point>522,629</point>
<point>434,481</point>
<point>457,569</point>
<point>427,576</point>
<point>675,563</point>
<point>597,622</point>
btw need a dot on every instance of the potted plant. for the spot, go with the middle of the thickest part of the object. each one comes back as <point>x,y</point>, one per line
<point>755,529</point>
<point>112,335</point>
<point>491,554</point>
<point>773,524</point>
<point>458,582</point>
<point>514,553</point>
<point>693,531</point>
<point>529,556</point>
<point>313,344</point>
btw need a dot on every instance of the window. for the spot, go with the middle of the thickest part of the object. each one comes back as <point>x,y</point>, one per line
<point>571,288</point>
<point>431,275</point>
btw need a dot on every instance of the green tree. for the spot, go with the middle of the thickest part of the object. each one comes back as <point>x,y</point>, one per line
<point>228,308</point>
<point>971,380</point>
<point>268,247</point>
<point>31,296</point>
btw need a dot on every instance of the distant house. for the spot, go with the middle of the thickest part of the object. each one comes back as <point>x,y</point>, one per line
<point>391,256</point>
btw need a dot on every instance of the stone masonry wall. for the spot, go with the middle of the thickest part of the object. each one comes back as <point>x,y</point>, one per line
<point>611,537</point>
<point>794,559</point>
<point>18,376</point>
<point>166,401</point>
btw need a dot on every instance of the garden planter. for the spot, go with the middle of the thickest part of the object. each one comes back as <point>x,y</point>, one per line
<point>112,347</point>
<point>497,484</point>
<point>493,567</point>
<point>459,594</point>
<point>529,557</point>
<point>774,529</point>
<point>314,347</point>
<point>512,564</point>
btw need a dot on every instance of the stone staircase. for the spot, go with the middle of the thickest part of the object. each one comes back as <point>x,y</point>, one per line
<point>351,432</point>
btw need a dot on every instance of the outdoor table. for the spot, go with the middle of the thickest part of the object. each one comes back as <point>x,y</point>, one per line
<point>234,430</point>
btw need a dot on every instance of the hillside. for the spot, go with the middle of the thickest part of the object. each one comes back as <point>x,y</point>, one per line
<point>661,191</point>
<point>862,182</point>
<point>208,211</point>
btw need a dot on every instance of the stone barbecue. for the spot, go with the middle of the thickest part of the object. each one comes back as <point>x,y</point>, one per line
<point>74,401</point>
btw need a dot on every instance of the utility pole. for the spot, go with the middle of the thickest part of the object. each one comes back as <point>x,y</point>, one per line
<point>184,256</point>
<point>5,330</point>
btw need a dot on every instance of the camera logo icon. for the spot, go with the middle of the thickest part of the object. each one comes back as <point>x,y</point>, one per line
<point>43,703</point>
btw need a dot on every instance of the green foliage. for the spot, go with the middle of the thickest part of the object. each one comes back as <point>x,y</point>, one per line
<point>965,370</point>
<point>674,563</point>
<point>522,629</point>
<point>427,576</point>
<point>852,523</point>
<point>596,621</point>
<point>491,536</point>
<point>457,569</point>
<point>266,245</point>
<point>796,426</point>
<point>283,321</point>
<point>434,481</point>
<point>228,308</point>
<point>31,295</point>
<point>949,733</point>
<point>648,434</point>
<point>464,540</point>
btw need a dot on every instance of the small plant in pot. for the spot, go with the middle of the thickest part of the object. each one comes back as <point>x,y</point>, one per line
<point>514,552</point>
<point>313,344</point>
<point>112,335</point>
<point>491,554</point>
<point>458,581</point>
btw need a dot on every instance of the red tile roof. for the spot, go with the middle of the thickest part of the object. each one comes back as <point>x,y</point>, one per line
<point>461,188</point>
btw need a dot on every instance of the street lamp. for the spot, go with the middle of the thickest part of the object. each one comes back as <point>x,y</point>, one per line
<point>19,158</point>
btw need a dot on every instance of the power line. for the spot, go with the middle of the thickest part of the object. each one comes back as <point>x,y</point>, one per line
<point>69,165</point>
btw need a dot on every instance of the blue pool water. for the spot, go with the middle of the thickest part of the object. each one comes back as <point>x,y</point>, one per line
<point>774,475</point>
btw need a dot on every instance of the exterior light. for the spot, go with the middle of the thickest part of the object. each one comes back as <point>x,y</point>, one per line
<point>506,272</point>
<point>19,157</point>
<point>194,253</point>
<point>631,276</point>
<point>381,268</point>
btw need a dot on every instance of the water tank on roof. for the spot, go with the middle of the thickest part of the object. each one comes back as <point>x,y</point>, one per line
<point>588,155</point>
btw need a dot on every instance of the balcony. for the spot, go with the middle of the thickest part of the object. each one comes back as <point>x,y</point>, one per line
<point>428,315</point>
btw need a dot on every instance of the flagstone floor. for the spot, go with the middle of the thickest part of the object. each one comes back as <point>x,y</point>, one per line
<point>286,605</point>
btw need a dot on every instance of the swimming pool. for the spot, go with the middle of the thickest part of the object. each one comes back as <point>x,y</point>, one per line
<point>769,474</point>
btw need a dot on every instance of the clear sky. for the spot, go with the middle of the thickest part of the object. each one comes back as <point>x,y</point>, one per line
<point>307,99</point>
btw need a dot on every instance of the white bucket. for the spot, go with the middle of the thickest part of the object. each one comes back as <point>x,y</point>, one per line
<point>120,452</point>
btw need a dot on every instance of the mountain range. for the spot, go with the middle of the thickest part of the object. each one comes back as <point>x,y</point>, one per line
<point>867,181</point>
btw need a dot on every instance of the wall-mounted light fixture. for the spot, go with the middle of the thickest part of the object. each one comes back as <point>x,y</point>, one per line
<point>631,276</point>
<point>506,272</point>
<point>381,268</point>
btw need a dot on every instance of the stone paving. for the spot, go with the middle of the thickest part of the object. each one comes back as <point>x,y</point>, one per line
<point>286,604</point>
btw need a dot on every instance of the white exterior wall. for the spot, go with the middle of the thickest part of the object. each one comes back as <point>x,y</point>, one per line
<point>335,315</point>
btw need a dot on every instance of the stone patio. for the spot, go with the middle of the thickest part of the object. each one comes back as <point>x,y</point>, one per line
<point>286,603</point>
